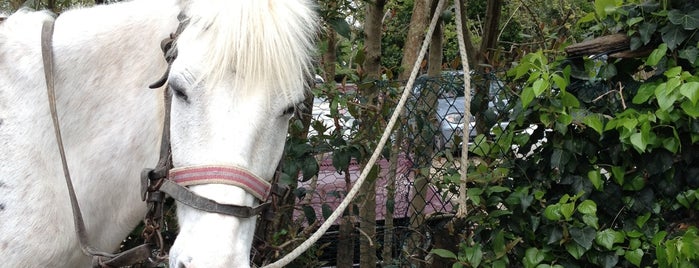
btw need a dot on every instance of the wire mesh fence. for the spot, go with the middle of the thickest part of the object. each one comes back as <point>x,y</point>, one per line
<point>416,180</point>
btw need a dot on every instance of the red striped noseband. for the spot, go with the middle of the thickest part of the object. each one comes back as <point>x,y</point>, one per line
<point>230,175</point>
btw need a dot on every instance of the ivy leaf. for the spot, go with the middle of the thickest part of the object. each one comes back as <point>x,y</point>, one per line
<point>644,93</point>
<point>665,96</point>
<point>673,35</point>
<point>555,235</point>
<point>638,142</point>
<point>635,43</point>
<point>691,91</point>
<point>594,122</point>
<point>575,250</point>
<point>532,257</point>
<point>583,237</point>
<point>608,237</point>
<point>633,21</point>
<point>609,259</point>
<point>618,174</point>
<point>634,256</point>
<point>553,212</point>
<point>591,220</point>
<point>657,55</point>
<point>588,207</point>
<point>567,210</point>
<point>690,54</point>
<point>646,30</point>
<point>689,21</point>
<point>596,179</point>
<point>690,109</point>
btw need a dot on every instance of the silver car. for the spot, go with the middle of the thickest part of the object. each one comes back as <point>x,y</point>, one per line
<point>450,108</point>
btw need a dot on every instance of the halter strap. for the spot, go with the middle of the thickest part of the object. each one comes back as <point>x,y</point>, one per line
<point>231,175</point>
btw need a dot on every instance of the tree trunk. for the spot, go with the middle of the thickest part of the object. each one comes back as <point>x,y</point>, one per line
<point>471,50</point>
<point>330,55</point>
<point>483,61</point>
<point>419,21</point>
<point>372,67</point>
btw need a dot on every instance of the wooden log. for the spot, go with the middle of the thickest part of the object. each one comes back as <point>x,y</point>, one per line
<point>609,44</point>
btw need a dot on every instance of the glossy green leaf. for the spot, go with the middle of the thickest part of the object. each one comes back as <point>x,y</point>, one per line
<point>553,212</point>
<point>633,21</point>
<point>444,253</point>
<point>591,220</point>
<point>594,121</point>
<point>474,255</point>
<point>596,179</point>
<point>646,30</point>
<point>569,100</point>
<point>499,246</point>
<point>638,142</point>
<point>690,109</point>
<point>641,220</point>
<point>690,54</point>
<point>527,96</point>
<point>691,91</point>
<point>634,256</point>
<point>608,237</point>
<point>657,55</point>
<point>664,93</point>
<point>688,21</point>
<point>583,236</point>
<point>673,36</point>
<point>644,93</point>
<point>618,174</point>
<point>532,257</point>
<point>575,250</point>
<point>539,86</point>
<point>559,81</point>
<point>567,210</point>
<point>588,207</point>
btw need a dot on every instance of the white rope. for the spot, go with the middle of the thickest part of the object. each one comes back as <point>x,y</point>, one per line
<point>377,152</point>
<point>463,211</point>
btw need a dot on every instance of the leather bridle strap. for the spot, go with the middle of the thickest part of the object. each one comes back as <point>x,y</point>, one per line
<point>101,259</point>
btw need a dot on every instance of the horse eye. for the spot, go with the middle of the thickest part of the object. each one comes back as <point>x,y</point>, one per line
<point>179,93</point>
<point>289,110</point>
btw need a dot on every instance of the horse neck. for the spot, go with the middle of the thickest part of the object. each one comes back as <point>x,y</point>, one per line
<point>105,57</point>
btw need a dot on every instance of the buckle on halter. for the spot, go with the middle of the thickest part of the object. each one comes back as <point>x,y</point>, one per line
<point>151,179</point>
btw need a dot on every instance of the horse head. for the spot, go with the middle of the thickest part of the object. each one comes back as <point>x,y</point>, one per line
<point>241,70</point>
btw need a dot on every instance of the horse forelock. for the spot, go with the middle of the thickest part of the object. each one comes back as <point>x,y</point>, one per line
<point>266,44</point>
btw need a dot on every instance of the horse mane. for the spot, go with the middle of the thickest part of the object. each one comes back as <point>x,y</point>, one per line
<point>265,43</point>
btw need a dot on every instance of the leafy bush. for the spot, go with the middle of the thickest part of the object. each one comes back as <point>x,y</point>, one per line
<point>603,169</point>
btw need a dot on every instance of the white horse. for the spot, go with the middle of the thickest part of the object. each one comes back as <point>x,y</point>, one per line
<point>240,70</point>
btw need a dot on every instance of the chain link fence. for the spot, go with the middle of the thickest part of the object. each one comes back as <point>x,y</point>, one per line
<point>416,182</point>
